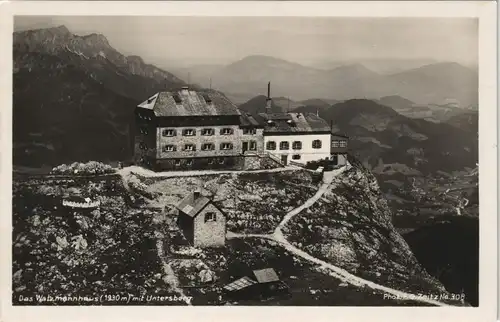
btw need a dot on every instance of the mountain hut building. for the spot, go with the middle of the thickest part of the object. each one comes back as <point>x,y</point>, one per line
<point>188,129</point>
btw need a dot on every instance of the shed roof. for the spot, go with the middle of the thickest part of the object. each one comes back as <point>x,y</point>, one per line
<point>191,206</point>
<point>266,275</point>
<point>239,284</point>
<point>187,102</point>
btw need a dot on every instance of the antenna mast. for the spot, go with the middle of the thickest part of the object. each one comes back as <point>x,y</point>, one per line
<point>210,83</point>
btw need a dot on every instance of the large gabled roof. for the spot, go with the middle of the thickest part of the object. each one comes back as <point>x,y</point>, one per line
<point>188,102</point>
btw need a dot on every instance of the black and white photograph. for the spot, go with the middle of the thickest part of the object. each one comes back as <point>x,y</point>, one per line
<point>305,161</point>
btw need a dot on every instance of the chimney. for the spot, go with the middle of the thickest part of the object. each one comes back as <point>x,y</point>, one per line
<point>268,100</point>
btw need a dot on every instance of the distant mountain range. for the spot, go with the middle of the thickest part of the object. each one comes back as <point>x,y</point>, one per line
<point>382,137</point>
<point>257,104</point>
<point>380,66</point>
<point>435,83</point>
<point>432,112</point>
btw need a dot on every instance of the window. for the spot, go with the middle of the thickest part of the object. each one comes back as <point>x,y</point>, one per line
<point>169,148</point>
<point>168,132</point>
<point>226,131</point>
<point>249,131</point>
<point>207,132</point>
<point>253,145</point>
<point>210,216</point>
<point>177,162</point>
<point>297,145</point>
<point>316,144</point>
<point>210,161</point>
<point>221,161</point>
<point>189,147</point>
<point>188,132</point>
<point>271,145</point>
<point>189,162</point>
<point>143,146</point>
<point>207,146</point>
<point>284,145</point>
<point>296,157</point>
<point>226,146</point>
<point>343,143</point>
<point>144,130</point>
<point>335,144</point>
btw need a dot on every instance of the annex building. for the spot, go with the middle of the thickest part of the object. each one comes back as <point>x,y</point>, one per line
<point>188,129</point>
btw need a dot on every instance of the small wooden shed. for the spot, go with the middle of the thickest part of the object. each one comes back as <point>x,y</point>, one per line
<point>263,283</point>
<point>201,221</point>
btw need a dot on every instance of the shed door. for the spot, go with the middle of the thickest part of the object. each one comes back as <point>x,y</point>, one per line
<point>335,159</point>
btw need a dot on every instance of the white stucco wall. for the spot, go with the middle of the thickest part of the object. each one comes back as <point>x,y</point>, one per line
<point>307,153</point>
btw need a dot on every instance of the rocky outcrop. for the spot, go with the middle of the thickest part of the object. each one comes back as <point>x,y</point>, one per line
<point>59,39</point>
<point>351,227</point>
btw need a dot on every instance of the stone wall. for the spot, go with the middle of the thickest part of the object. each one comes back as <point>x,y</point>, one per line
<point>203,163</point>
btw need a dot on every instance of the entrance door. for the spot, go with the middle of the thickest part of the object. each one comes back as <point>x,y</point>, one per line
<point>284,159</point>
<point>245,147</point>
<point>335,159</point>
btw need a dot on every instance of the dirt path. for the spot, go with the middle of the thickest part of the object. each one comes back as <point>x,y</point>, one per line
<point>168,174</point>
<point>336,271</point>
<point>170,277</point>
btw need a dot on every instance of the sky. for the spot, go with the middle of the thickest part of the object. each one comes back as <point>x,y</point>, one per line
<point>184,41</point>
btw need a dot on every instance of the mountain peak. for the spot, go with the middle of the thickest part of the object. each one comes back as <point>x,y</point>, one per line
<point>263,59</point>
<point>96,39</point>
<point>135,59</point>
<point>60,30</point>
<point>441,68</point>
<point>357,69</point>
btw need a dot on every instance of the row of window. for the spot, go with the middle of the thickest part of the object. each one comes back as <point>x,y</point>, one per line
<point>144,117</point>
<point>203,132</point>
<point>296,145</point>
<point>252,145</point>
<point>206,147</point>
<point>192,132</point>
<point>339,144</point>
<point>189,162</point>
